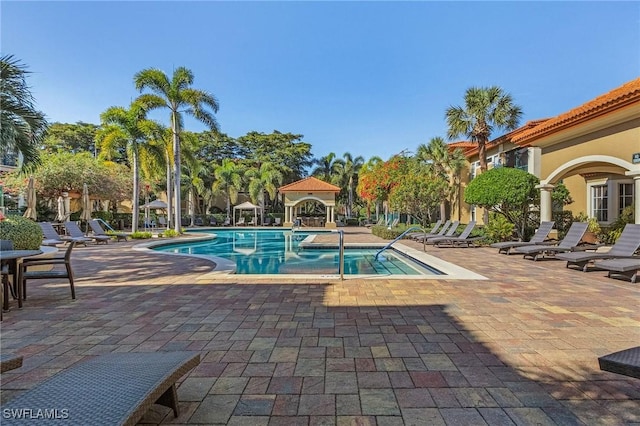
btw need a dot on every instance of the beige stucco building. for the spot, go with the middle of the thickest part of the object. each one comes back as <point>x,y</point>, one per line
<point>594,149</point>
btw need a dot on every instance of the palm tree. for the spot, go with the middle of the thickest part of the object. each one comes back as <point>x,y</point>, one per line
<point>228,180</point>
<point>348,169</point>
<point>178,97</point>
<point>444,163</point>
<point>326,167</point>
<point>265,179</point>
<point>128,127</point>
<point>486,109</point>
<point>22,127</point>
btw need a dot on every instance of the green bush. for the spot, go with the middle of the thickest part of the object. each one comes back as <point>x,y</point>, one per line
<point>169,233</point>
<point>140,235</point>
<point>384,232</point>
<point>498,228</point>
<point>25,233</point>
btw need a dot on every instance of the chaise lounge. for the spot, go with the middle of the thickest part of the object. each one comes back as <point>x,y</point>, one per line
<point>629,268</point>
<point>625,247</point>
<point>538,238</point>
<point>461,240</point>
<point>111,389</point>
<point>569,243</point>
<point>97,230</point>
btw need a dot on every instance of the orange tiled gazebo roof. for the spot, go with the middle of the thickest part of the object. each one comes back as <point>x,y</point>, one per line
<point>309,184</point>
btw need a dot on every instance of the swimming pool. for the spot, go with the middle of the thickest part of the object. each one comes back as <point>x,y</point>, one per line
<point>267,252</point>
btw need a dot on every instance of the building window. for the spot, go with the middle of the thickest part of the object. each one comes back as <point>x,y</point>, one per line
<point>474,167</point>
<point>600,203</point>
<point>473,212</point>
<point>517,159</point>
<point>625,192</point>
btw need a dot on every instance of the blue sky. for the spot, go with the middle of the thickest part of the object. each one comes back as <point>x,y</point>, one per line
<point>369,78</point>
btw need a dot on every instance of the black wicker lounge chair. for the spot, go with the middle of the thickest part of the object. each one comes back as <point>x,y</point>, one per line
<point>434,229</point>
<point>111,389</point>
<point>626,246</point>
<point>76,233</point>
<point>625,362</point>
<point>461,240</point>
<point>97,230</point>
<point>569,243</point>
<point>538,238</point>
<point>629,268</point>
<point>51,236</point>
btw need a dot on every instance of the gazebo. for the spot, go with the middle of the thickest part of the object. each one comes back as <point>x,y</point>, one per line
<point>309,189</point>
<point>246,206</point>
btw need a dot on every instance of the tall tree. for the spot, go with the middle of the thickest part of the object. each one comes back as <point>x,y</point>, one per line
<point>22,127</point>
<point>446,164</point>
<point>325,167</point>
<point>347,176</point>
<point>265,179</point>
<point>127,127</point>
<point>485,109</point>
<point>177,95</point>
<point>228,180</point>
<point>67,137</point>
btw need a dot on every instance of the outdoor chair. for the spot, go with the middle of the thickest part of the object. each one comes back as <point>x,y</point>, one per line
<point>97,230</point>
<point>277,222</point>
<point>267,221</point>
<point>25,274</point>
<point>51,236</point>
<point>629,267</point>
<point>240,221</point>
<point>569,243</point>
<point>198,221</point>
<point>435,231</point>
<point>380,222</point>
<point>460,240</point>
<point>227,222</point>
<point>434,228</point>
<point>251,222</point>
<point>539,237</point>
<point>625,247</point>
<point>110,389</point>
<point>76,233</point>
<point>449,232</point>
<point>4,271</point>
<point>162,221</point>
<point>213,221</point>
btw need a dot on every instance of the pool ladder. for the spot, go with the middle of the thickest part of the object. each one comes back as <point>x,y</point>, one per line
<point>397,238</point>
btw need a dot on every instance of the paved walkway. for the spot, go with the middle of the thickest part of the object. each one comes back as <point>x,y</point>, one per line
<point>519,348</point>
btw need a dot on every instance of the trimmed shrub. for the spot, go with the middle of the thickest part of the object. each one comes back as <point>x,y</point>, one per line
<point>140,235</point>
<point>498,228</point>
<point>25,233</point>
<point>169,233</point>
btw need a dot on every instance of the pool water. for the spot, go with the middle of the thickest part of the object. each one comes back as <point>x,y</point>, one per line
<point>283,252</point>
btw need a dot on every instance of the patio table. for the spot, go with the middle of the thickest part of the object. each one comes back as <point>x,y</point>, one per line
<point>11,258</point>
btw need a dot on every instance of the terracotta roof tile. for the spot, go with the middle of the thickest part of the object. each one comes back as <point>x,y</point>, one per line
<point>309,184</point>
<point>628,93</point>
<point>509,137</point>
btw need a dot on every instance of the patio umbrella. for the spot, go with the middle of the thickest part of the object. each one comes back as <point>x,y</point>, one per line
<point>86,204</point>
<point>62,214</point>
<point>31,212</point>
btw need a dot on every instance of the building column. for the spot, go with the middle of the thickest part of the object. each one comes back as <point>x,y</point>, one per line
<point>534,158</point>
<point>545,201</point>
<point>327,210</point>
<point>636,196</point>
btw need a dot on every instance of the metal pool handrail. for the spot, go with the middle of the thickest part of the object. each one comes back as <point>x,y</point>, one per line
<point>397,238</point>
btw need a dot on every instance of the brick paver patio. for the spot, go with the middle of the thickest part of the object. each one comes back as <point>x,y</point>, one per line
<point>519,348</point>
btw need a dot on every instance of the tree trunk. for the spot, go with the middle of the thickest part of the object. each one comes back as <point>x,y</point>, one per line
<point>136,192</point>
<point>169,194</point>
<point>176,173</point>
<point>482,155</point>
